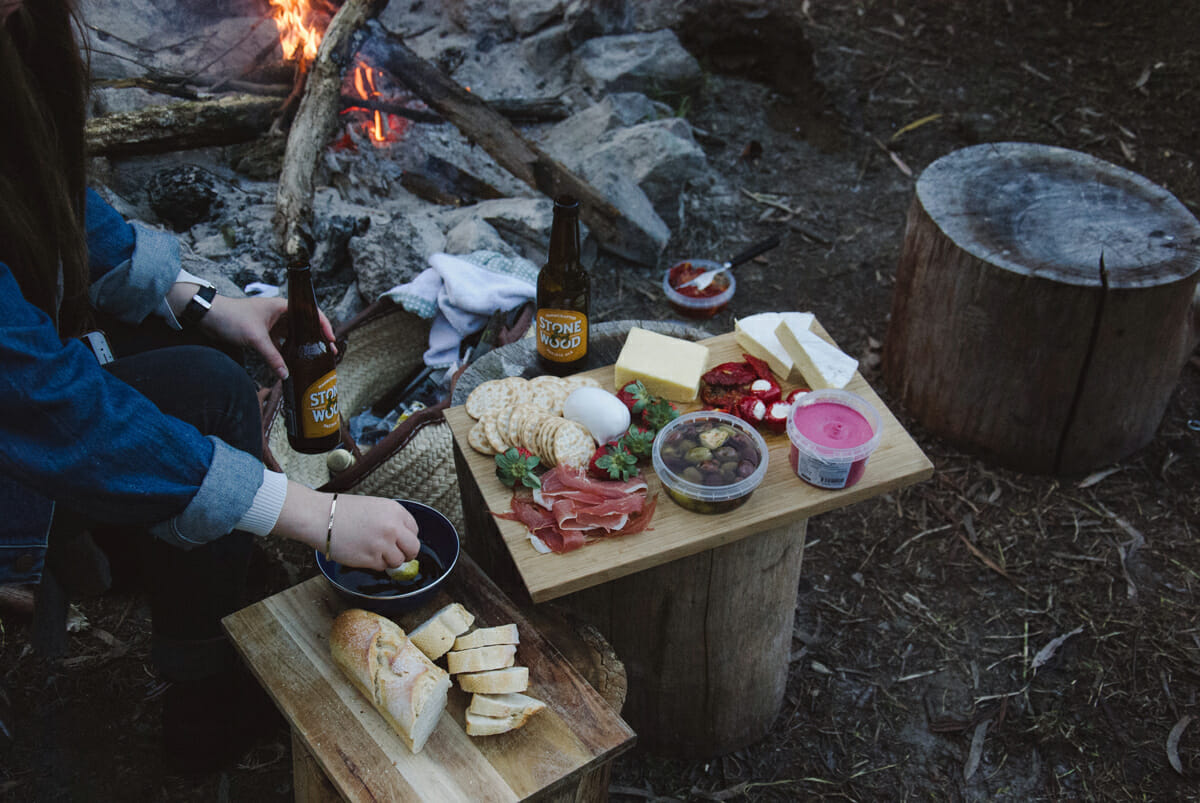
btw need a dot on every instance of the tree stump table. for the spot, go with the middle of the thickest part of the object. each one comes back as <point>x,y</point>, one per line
<point>699,608</point>
<point>1043,306</point>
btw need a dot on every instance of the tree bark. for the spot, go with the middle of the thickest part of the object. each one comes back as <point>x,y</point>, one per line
<point>314,124</point>
<point>1043,306</point>
<point>181,126</point>
<point>496,135</point>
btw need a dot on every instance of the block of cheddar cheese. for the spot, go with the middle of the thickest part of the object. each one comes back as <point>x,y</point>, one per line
<point>822,364</point>
<point>667,366</point>
<point>756,335</point>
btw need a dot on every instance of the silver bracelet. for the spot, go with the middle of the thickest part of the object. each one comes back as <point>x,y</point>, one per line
<point>329,530</point>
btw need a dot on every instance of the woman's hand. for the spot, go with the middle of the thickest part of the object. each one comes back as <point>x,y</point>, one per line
<point>369,532</point>
<point>254,323</point>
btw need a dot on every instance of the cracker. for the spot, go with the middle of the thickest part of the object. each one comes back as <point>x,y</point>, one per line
<point>519,388</point>
<point>478,439</point>
<point>529,429</point>
<point>488,396</point>
<point>516,420</point>
<point>492,432</point>
<point>545,437</point>
<point>578,381</point>
<point>573,445</point>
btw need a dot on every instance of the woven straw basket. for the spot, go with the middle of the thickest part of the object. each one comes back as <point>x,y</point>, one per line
<point>379,348</point>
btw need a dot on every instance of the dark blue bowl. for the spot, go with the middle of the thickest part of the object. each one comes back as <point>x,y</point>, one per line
<point>437,535</point>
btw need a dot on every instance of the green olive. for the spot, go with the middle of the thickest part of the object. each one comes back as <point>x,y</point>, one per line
<point>405,571</point>
<point>699,454</point>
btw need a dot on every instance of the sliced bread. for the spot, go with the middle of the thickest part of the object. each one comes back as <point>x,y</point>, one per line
<point>479,725</point>
<point>481,659</point>
<point>517,707</point>
<point>435,636</point>
<point>487,636</point>
<point>495,681</point>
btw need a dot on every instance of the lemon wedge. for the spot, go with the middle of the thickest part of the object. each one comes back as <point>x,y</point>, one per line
<point>405,571</point>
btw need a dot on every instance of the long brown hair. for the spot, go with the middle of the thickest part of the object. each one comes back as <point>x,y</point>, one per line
<point>43,88</point>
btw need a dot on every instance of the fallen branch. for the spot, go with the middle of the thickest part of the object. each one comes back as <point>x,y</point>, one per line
<point>496,135</point>
<point>314,124</point>
<point>181,126</point>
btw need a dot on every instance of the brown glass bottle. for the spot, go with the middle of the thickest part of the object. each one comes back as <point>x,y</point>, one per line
<point>310,394</point>
<point>564,294</point>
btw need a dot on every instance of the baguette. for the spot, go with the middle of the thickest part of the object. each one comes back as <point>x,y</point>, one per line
<point>487,636</point>
<point>479,725</point>
<point>481,659</point>
<point>399,680</point>
<point>435,636</point>
<point>496,681</point>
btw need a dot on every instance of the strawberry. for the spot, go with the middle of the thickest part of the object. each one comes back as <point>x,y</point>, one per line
<point>659,413</point>
<point>612,461</point>
<point>635,396</point>
<point>517,466</point>
<point>638,441</point>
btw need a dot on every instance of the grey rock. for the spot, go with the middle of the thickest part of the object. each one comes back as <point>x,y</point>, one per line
<point>651,63</point>
<point>523,223</point>
<point>546,51</point>
<point>184,195</point>
<point>392,251</point>
<point>527,16</point>
<point>648,235</point>
<point>476,234</point>
<point>582,129</point>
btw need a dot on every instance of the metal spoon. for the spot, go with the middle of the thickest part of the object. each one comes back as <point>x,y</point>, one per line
<point>705,279</point>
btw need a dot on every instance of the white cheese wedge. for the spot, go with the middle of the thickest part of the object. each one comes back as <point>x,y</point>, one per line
<point>821,364</point>
<point>756,335</point>
<point>667,366</point>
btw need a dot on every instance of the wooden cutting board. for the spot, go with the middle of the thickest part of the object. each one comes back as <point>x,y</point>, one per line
<point>674,532</point>
<point>284,639</point>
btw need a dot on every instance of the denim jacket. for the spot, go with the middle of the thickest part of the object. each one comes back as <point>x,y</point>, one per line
<point>73,433</point>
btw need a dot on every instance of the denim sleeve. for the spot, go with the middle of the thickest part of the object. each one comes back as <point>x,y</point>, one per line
<point>132,265</point>
<point>74,433</point>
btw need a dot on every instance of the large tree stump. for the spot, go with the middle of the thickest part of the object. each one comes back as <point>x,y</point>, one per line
<point>1043,306</point>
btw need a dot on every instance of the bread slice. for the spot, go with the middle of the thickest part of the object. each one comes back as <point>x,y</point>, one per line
<point>436,635</point>
<point>496,681</point>
<point>399,680</point>
<point>481,659</point>
<point>487,636</point>
<point>517,707</point>
<point>479,725</point>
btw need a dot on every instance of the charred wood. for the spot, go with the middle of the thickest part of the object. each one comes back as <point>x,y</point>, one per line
<point>315,122</point>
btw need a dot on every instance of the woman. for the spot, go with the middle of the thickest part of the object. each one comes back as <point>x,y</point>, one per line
<point>164,442</point>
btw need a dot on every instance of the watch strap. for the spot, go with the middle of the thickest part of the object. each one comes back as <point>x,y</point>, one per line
<point>198,306</point>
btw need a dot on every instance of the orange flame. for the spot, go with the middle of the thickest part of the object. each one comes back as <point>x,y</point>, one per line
<point>298,36</point>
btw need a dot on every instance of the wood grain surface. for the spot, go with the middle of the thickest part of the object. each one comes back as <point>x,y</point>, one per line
<point>284,640</point>
<point>674,532</point>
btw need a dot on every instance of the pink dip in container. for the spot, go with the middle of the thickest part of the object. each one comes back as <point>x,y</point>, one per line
<point>833,432</point>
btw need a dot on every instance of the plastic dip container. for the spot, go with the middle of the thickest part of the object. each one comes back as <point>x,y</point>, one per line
<point>833,432</point>
<point>694,303</point>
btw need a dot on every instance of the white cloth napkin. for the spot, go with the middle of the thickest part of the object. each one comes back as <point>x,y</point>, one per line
<point>460,293</point>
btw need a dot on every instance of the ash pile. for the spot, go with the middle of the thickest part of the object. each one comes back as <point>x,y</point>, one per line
<point>598,85</point>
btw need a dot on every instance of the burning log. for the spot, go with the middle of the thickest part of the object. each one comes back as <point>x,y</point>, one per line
<point>314,124</point>
<point>487,127</point>
<point>180,126</point>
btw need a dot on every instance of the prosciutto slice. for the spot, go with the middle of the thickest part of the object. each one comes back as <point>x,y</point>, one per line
<point>572,509</point>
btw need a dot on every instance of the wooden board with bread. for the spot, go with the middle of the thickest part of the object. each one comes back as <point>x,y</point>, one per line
<point>675,532</point>
<point>387,722</point>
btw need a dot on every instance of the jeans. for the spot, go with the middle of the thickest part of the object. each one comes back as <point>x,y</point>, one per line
<point>189,590</point>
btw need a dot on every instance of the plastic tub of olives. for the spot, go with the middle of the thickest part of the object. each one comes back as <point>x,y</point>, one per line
<point>709,461</point>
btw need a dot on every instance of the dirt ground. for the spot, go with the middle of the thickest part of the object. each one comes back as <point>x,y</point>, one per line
<point>985,635</point>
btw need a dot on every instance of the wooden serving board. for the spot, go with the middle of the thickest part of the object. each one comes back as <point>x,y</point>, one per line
<point>284,639</point>
<point>674,532</point>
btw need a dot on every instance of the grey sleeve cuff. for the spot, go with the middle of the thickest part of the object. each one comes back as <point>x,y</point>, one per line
<point>136,287</point>
<point>225,495</point>
<point>268,502</point>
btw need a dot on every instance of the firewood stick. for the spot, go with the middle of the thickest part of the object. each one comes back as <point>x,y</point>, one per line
<point>314,124</point>
<point>496,135</point>
<point>179,126</point>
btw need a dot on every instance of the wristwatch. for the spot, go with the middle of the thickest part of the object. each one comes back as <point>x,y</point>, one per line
<point>196,309</point>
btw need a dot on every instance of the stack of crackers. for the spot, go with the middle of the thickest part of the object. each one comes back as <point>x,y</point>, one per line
<point>527,413</point>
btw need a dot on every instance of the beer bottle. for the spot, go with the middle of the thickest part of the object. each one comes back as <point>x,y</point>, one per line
<point>310,394</point>
<point>563,296</point>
